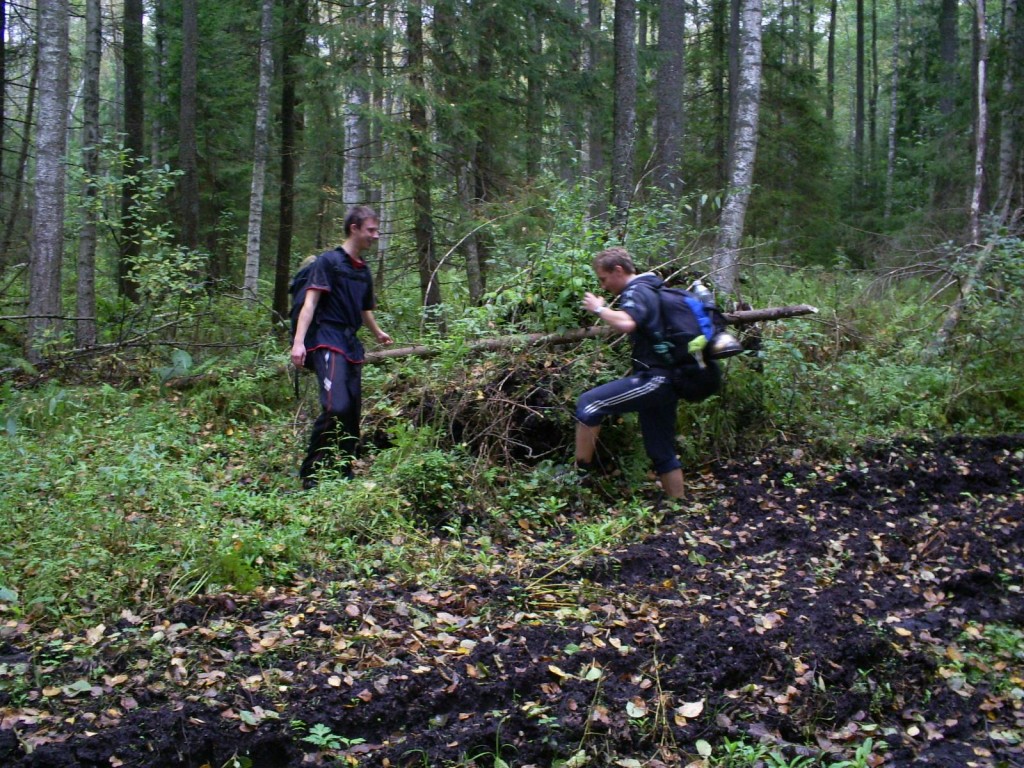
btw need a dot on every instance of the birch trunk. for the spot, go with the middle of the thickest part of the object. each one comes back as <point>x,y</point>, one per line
<point>250,286</point>
<point>725,263</point>
<point>890,165</point>
<point>981,124</point>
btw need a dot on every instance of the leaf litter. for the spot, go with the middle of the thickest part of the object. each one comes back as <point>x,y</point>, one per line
<point>806,608</point>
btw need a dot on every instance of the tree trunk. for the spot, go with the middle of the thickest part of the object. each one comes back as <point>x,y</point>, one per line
<point>981,122</point>
<point>890,167</point>
<point>571,129</point>
<point>623,113</point>
<point>733,51</point>
<point>160,67</point>
<point>812,36</point>
<point>357,125</point>
<point>669,87</point>
<point>134,145</point>
<point>725,262</point>
<point>357,139</point>
<point>47,252</point>
<point>858,117</point>
<point>292,34</point>
<point>188,152</point>
<point>3,105</point>
<point>384,105</point>
<point>534,96</point>
<point>595,123</point>
<point>830,77</point>
<point>430,289</point>
<point>85,290</point>
<point>1010,115</point>
<point>720,85</point>
<point>19,172</point>
<point>250,287</point>
<point>946,189</point>
<point>952,319</point>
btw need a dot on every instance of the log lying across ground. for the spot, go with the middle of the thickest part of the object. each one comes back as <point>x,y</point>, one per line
<point>740,317</point>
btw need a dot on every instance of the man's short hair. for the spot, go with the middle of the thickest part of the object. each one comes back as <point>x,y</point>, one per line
<point>357,215</point>
<point>611,258</point>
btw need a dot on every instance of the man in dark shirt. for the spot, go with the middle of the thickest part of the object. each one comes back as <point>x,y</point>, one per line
<point>340,296</point>
<point>651,390</point>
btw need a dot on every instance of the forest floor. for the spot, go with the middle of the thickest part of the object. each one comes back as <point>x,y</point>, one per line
<point>787,607</point>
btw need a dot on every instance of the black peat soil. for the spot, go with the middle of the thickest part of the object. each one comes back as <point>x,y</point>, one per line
<point>806,608</point>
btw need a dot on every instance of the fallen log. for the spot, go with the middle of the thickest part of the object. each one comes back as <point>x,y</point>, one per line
<point>739,317</point>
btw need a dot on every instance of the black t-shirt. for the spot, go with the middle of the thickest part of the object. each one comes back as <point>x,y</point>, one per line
<point>640,301</point>
<point>346,292</point>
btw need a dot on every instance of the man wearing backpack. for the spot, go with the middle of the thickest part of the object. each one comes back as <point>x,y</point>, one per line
<point>654,387</point>
<point>339,298</point>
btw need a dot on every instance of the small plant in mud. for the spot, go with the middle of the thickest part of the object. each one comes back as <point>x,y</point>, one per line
<point>864,757</point>
<point>741,754</point>
<point>985,654</point>
<point>322,737</point>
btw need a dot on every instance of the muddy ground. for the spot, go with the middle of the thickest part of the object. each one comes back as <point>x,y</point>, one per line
<point>804,607</point>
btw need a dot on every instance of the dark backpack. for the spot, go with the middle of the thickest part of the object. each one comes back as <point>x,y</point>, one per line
<point>687,327</point>
<point>299,284</point>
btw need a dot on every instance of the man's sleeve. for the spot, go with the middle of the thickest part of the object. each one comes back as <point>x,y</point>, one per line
<point>636,302</point>
<point>320,276</point>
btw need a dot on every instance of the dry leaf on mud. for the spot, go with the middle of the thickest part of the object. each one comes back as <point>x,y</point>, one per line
<point>688,711</point>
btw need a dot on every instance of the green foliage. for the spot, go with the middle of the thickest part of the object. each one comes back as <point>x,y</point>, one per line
<point>427,478</point>
<point>544,281</point>
<point>987,353</point>
<point>322,737</point>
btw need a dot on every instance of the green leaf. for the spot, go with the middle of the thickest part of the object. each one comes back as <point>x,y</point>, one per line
<point>249,718</point>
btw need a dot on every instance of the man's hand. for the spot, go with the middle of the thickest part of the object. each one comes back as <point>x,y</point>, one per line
<point>383,338</point>
<point>592,303</point>
<point>298,354</point>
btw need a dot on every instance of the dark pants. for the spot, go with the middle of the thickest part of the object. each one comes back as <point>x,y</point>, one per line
<point>653,398</point>
<point>335,436</point>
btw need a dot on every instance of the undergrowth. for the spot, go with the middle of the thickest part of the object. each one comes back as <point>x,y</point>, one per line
<point>178,475</point>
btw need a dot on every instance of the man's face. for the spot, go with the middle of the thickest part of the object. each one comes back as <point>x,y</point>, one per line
<point>613,280</point>
<point>365,235</point>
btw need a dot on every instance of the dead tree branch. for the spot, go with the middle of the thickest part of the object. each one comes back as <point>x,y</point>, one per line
<point>740,317</point>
